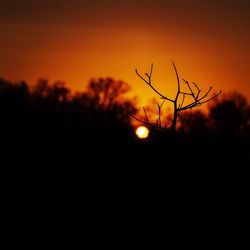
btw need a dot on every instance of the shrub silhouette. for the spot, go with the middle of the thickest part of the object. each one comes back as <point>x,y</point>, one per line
<point>103,110</point>
<point>57,92</point>
<point>230,114</point>
<point>106,91</point>
<point>106,96</point>
<point>52,110</point>
<point>194,123</point>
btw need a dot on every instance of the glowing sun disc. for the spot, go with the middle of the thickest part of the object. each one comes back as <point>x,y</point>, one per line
<point>142,132</point>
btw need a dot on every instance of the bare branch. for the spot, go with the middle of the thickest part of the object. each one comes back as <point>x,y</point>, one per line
<point>185,93</point>
<point>211,98</point>
<point>194,92</point>
<point>150,124</point>
<point>183,99</point>
<point>190,89</point>
<point>158,121</point>
<point>198,89</point>
<point>149,83</point>
<point>178,82</point>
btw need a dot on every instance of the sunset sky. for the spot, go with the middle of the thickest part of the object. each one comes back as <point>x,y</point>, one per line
<point>76,40</point>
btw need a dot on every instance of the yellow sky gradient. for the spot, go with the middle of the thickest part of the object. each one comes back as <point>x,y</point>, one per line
<point>78,40</point>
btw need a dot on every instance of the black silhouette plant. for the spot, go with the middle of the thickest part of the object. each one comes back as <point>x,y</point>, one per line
<point>179,101</point>
<point>230,114</point>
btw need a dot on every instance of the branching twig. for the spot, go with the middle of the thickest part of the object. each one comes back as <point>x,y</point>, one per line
<point>149,83</point>
<point>194,93</point>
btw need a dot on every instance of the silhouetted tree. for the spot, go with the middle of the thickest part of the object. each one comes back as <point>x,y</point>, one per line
<point>179,102</point>
<point>230,114</point>
<point>56,92</point>
<point>194,123</point>
<point>13,95</point>
<point>50,103</point>
<point>106,91</point>
<point>77,188</point>
<point>14,103</point>
<point>106,97</point>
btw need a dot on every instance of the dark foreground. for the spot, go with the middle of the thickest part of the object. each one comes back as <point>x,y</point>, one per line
<point>109,191</point>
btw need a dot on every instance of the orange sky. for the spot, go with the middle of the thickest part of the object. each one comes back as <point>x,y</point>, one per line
<point>77,40</point>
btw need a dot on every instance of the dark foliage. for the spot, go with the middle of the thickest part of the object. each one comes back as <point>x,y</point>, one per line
<point>231,115</point>
<point>75,177</point>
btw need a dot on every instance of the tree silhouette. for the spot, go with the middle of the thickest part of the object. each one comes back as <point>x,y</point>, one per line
<point>179,102</point>
<point>56,92</point>
<point>50,110</point>
<point>106,97</point>
<point>14,104</point>
<point>74,187</point>
<point>230,114</point>
<point>194,123</point>
<point>106,91</point>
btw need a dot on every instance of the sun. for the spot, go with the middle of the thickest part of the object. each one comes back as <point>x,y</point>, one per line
<point>142,132</point>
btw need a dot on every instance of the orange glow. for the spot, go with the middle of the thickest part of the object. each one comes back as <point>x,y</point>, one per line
<point>85,40</point>
<point>142,132</point>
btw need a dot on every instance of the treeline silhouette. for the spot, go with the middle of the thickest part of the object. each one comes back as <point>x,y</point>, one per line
<point>76,177</point>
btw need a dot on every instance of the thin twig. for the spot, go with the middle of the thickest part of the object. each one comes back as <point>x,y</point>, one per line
<point>192,92</point>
